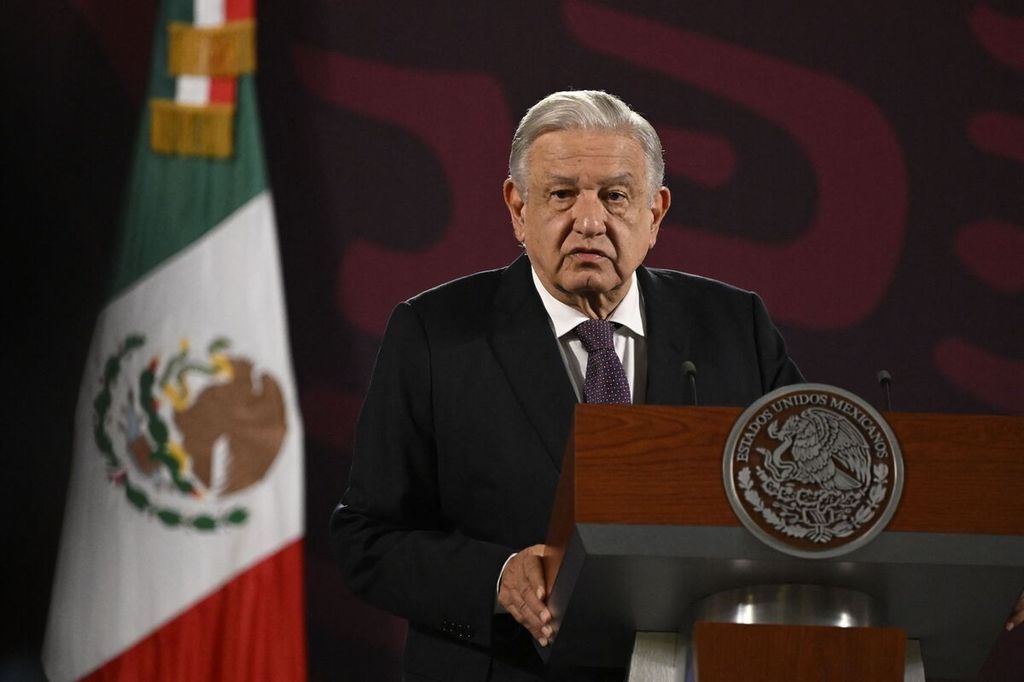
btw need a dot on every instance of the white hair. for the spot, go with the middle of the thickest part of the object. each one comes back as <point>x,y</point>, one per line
<point>584,110</point>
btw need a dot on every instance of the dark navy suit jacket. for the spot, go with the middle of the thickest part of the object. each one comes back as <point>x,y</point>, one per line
<point>460,441</point>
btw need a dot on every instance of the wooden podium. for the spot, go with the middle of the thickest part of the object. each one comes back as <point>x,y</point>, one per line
<point>642,531</point>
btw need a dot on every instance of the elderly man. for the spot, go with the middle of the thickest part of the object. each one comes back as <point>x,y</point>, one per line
<point>460,440</point>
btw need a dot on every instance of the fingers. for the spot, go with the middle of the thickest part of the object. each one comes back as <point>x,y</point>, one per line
<point>1017,617</point>
<point>522,593</point>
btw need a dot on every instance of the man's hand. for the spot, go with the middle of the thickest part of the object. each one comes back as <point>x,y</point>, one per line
<point>522,593</point>
<point>1017,617</point>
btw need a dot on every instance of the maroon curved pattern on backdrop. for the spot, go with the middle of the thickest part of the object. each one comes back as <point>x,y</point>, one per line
<point>1000,35</point>
<point>471,149</point>
<point>998,133</point>
<point>993,250</point>
<point>991,378</point>
<point>705,158</point>
<point>838,271</point>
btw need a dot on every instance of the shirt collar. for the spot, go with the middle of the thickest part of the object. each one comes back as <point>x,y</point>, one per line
<point>565,318</point>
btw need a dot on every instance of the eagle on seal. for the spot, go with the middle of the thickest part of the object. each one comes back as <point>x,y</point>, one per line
<point>825,448</point>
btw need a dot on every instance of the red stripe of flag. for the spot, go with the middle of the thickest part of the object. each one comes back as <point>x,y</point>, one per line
<point>251,629</point>
<point>238,9</point>
<point>223,90</point>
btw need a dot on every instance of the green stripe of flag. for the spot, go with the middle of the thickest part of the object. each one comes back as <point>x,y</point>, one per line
<point>171,201</point>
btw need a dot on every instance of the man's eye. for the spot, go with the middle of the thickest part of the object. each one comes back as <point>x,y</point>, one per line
<point>616,196</point>
<point>562,194</point>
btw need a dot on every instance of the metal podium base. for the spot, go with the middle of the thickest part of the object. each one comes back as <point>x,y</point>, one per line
<point>792,605</point>
<point>660,657</point>
<point>665,656</point>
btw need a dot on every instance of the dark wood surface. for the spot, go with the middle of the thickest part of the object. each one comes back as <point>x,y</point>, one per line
<point>726,652</point>
<point>663,465</point>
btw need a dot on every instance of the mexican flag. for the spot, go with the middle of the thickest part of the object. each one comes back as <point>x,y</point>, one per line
<point>181,552</point>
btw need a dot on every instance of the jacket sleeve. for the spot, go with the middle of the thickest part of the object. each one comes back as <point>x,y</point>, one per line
<point>390,536</point>
<point>777,368</point>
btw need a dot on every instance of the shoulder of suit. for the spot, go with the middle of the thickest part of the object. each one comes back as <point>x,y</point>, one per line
<point>685,281</point>
<point>459,308</point>
<point>468,287</point>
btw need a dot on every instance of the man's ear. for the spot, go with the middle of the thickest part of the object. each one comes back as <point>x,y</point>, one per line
<point>515,203</point>
<point>659,207</point>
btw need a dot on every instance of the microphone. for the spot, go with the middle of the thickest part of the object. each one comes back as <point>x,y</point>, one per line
<point>885,381</point>
<point>690,370</point>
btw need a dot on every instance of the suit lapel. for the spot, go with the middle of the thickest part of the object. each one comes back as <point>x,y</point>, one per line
<point>521,338</point>
<point>668,341</point>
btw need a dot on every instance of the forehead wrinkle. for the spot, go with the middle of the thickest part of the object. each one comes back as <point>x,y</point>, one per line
<point>555,179</point>
<point>619,179</point>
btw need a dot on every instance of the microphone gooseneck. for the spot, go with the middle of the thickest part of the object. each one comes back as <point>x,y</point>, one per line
<point>885,381</point>
<point>690,370</point>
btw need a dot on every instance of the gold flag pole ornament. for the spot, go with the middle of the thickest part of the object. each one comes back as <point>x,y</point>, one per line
<point>217,52</point>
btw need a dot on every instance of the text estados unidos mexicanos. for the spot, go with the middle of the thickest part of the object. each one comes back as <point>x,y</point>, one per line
<point>871,429</point>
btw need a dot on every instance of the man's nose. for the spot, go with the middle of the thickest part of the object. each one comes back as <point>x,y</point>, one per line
<point>589,214</point>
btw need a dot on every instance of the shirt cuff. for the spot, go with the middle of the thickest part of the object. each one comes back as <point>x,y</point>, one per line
<point>498,608</point>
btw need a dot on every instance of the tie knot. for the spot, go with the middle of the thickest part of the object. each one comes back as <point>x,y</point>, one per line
<point>596,334</point>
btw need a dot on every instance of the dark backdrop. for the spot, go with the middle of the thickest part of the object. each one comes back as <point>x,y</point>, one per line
<point>858,164</point>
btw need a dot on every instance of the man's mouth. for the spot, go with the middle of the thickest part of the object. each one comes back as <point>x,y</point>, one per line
<point>587,255</point>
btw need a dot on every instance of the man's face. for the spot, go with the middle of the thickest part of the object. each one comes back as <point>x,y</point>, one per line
<point>587,220</point>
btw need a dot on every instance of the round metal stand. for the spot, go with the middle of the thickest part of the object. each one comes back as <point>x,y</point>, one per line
<point>792,605</point>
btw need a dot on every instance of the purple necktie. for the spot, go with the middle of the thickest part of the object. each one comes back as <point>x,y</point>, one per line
<point>606,379</point>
